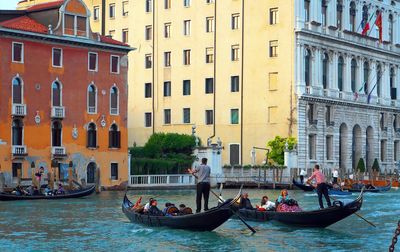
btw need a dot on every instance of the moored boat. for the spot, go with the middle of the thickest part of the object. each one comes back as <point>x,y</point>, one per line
<point>306,188</point>
<point>68,194</point>
<point>316,218</point>
<point>204,221</point>
<point>376,189</point>
<point>331,191</point>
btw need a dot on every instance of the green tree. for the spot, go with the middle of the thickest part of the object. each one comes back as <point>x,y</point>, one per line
<point>277,146</point>
<point>375,166</point>
<point>360,166</point>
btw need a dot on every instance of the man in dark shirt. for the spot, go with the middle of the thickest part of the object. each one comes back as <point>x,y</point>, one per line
<point>202,173</point>
<point>245,202</point>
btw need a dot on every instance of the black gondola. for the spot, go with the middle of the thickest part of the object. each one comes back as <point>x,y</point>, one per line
<point>306,188</point>
<point>68,194</point>
<point>373,190</point>
<point>204,221</point>
<point>317,218</point>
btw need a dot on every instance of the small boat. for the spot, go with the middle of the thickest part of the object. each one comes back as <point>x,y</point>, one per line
<point>376,189</point>
<point>331,191</point>
<point>306,188</point>
<point>316,219</point>
<point>68,194</point>
<point>204,221</point>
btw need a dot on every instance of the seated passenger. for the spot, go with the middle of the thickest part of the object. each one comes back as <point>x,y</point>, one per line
<point>266,204</point>
<point>48,191</point>
<point>285,204</point>
<point>60,189</point>
<point>147,206</point>
<point>183,210</point>
<point>35,191</point>
<point>245,202</point>
<point>167,206</point>
<point>138,207</point>
<point>153,209</point>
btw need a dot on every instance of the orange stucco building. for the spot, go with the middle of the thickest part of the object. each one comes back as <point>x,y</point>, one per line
<point>63,95</point>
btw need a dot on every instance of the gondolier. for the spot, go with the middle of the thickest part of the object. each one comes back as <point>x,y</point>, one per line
<point>322,187</point>
<point>202,173</point>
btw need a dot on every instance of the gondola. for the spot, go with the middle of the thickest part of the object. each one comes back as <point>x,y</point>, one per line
<point>68,194</point>
<point>315,219</point>
<point>204,221</point>
<point>373,190</point>
<point>308,188</point>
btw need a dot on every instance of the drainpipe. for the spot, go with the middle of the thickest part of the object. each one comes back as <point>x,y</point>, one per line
<point>153,68</point>
<point>241,88</point>
<point>103,17</point>
<point>214,70</point>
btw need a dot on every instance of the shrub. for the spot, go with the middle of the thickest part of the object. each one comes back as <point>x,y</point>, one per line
<point>278,146</point>
<point>361,166</point>
<point>375,166</point>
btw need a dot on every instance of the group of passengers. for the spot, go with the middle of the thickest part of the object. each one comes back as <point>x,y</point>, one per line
<point>284,203</point>
<point>170,209</point>
<point>33,190</point>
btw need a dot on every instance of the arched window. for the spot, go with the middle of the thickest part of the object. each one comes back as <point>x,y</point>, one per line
<point>17,129</point>
<point>339,14</point>
<point>114,137</point>
<point>353,17</point>
<point>390,28</point>
<point>325,70</point>
<point>378,79</point>
<point>324,10</point>
<point>353,75</point>
<point>56,94</point>
<point>340,73</point>
<point>17,91</point>
<point>92,136</point>
<point>307,67</point>
<point>114,101</point>
<point>366,77</point>
<point>393,89</point>
<point>307,10</point>
<point>92,99</point>
<point>56,133</point>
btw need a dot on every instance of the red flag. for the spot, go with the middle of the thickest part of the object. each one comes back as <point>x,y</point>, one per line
<point>378,23</point>
<point>365,29</point>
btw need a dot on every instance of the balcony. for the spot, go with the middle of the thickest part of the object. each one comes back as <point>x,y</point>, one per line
<point>57,112</point>
<point>58,151</point>
<point>19,150</point>
<point>18,110</point>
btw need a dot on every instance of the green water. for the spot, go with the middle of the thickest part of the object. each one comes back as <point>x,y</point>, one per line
<point>96,223</point>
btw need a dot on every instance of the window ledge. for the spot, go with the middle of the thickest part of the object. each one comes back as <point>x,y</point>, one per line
<point>114,148</point>
<point>92,148</point>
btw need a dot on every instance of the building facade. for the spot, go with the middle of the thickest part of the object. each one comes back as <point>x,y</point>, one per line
<point>64,95</point>
<point>246,71</point>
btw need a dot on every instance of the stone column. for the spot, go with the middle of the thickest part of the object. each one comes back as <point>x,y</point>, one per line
<point>358,17</point>
<point>333,71</point>
<point>299,5</point>
<point>315,11</point>
<point>316,69</point>
<point>360,75</point>
<point>347,73</point>
<point>385,26</point>
<point>373,78</point>
<point>300,83</point>
<point>396,28</point>
<point>346,15</point>
<point>331,14</point>
<point>397,82</point>
<point>385,83</point>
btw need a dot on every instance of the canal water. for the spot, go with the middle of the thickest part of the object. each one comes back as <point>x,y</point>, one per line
<point>96,223</point>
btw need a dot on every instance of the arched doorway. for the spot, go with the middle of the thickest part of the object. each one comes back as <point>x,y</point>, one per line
<point>343,136</point>
<point>90,173</point>
<point>356,145</point>
<point>369,148</point>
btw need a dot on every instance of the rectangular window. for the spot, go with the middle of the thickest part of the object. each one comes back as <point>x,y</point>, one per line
<point>112,10</point>
<point>92,61</point>
<point>57,57</point>
<point>114,171</point>
<point>273,16</point>
<point>147,90</point>
<point>149,6</point>
<point>329,147</point>
<point>234,154</point>
<point>209,1</point>
<point>209,117</point>
<point>312,147</point>
<point>96,13</point>
<point>186,57</point>
<point>167,59</point>
<point>234,116</point>
<point>148,61</point>
<point>235,21</point>
<point>186,27</point>
<point>186,87</point>
<point>147,119</point>
<point>167,4</point>
<point>209,55</point>
<point>383,150</point>
<point>272,114</point>
<point>235,53</point>
<point>324,14</point>
<point>311,113</point>
<point>186,115</point>
<point>17,170</point>
<point>273,48</point>
<point>167,116</point>
<point>125,9</point>
<point>125,36</point>
<point>148,32</point>
<point>186,3</point>
<point>167,88</point>
<point>328,116</point>
<point>114,64</point>
<point>273,81</point>
<point>167,30</point>
<point>18,52</point>
<point>396,151</point>
<point>210,24</point>
<point>234,83</point>
<point>209,85</point>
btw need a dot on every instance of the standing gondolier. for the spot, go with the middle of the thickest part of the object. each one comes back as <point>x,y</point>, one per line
<point>322,187</point>
<point>202,173</point>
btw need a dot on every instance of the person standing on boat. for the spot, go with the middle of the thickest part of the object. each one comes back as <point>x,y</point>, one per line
<point>335,175</point>
<point>322,187</point>
<point>202,173</point>
<point>302,174</point>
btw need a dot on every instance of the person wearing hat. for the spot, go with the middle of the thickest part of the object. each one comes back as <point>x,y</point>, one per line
<point>202,173</point>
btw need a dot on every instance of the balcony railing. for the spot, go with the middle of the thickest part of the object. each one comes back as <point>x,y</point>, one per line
<point>18,150</point>
<point>57,112</point>
<point>169,180</point>
<point>18,110</point>
<point>58,151</point>
<point>92,109</point>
